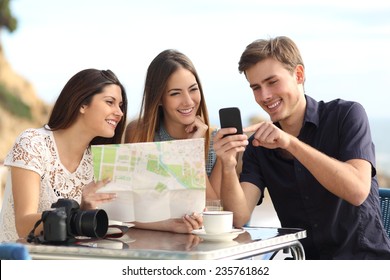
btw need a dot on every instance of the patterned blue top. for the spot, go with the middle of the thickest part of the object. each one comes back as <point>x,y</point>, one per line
<point>162,135</point>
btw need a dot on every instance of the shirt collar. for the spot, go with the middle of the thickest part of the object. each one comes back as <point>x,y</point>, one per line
<point>312,111</point>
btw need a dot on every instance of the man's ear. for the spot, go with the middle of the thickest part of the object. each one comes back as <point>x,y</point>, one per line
<point>82,109</point>
<point>300,74</point>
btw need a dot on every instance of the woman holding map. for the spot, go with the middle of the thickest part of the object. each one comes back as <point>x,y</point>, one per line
<point>55,161</point>
<point>173,107</point>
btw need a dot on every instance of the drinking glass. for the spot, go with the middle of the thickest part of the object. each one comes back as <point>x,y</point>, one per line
<point>214,205</point>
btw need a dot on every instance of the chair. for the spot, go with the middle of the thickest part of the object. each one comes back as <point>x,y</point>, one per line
<point>384,196</point>
<point>14,251</point>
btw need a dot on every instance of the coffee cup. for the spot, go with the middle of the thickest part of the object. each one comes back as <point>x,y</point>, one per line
<point>216,222</point>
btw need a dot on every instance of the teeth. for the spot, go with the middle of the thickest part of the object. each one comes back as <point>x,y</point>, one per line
<point>114,123</point>
<point>186,111</point>
<point>274,105</point>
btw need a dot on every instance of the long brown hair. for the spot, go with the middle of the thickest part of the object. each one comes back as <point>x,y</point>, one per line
<point>79,91</point>
<point>151,114</point>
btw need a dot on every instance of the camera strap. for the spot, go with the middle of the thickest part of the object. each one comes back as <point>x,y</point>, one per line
<point>32,238</point>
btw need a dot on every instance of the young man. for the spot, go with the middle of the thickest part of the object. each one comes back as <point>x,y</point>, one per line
<point>317,160</point>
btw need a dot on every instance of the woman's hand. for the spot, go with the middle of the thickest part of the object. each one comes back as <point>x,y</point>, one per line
<point>187,223</point>
<point>197,129</point>
<point>90,199</point>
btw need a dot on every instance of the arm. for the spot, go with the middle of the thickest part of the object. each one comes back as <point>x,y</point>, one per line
<point>210,190</point>
<point>350,180</point>
<point>215,180</point>
<point>239,198</point>
<point>184,225</point>
<point>198,129</point>
<point>26,199</point>
<point>216,174</point>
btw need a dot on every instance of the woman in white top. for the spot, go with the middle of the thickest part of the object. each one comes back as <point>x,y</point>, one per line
<point>55,161</point>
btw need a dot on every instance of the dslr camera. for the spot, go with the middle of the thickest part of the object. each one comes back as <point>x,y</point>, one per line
<point>66,221</point>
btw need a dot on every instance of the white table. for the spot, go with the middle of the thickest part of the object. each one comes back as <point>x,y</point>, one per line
<point>148,244</point>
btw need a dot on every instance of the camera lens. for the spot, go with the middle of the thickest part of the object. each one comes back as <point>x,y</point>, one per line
<point>91,223</point>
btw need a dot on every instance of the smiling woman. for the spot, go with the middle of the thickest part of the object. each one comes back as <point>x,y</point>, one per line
<point>56,159</point>
<point>174,107</point>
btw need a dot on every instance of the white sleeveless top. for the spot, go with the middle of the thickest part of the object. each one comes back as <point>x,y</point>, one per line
<point>36,150</point>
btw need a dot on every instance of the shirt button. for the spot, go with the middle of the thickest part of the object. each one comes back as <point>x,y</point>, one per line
<point>315,225</point>
<point>306,197</point>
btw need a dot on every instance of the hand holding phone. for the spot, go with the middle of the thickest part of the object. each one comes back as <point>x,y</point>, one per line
<point>231,117</point>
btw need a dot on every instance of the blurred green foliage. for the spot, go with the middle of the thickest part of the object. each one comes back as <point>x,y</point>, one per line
<point>7,20</point>
<point>13,104</point>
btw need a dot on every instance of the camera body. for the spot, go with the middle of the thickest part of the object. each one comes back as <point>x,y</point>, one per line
<point>66,221</point>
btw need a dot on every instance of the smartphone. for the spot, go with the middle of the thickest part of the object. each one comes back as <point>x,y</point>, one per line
<point>231,117</point>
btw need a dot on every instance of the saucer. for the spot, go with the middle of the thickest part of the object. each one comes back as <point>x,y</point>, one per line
<point>119,223</point>
<point>226,236</point>
<point>117,227</point>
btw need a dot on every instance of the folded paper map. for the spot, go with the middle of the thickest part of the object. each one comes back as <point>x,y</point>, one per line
<point>154,181</point>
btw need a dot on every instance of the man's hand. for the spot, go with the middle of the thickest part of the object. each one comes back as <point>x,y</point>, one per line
<point>269,136</point>
<point>228,147</point>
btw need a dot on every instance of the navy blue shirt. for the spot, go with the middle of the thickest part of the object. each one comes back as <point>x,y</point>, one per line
<point>335,228</point>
